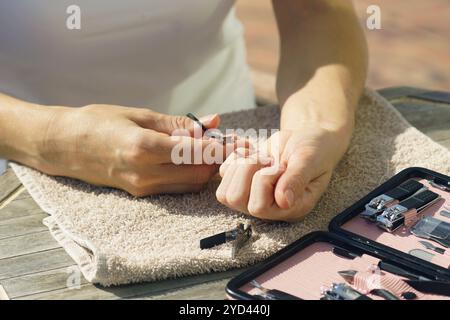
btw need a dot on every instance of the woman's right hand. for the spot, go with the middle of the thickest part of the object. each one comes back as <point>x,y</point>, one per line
<point>122,147</point>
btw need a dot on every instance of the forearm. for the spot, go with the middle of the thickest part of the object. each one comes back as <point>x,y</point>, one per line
<point>23,127</point>
<point>323,63</point>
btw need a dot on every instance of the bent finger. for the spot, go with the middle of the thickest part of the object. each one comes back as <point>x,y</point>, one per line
<point>261,203</point>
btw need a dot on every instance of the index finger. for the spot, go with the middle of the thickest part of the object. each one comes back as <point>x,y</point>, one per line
<point>162,148</point>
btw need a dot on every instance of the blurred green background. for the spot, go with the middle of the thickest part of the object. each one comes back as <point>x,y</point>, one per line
<point>411,49</point>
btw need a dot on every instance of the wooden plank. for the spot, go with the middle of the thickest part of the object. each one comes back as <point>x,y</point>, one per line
<point>85,292</point>
<point>8,183</point>
<point>424,115</point>
<point>23,195</point>
<point>445,143</point>
<point>20,208</point>
<point>3,294</point>
<point>17,246</point>
<point>393,93</point>
<point>68,278</point>
<point>129,291</point>
<point>21,226</point>
<point>424,95</point>
<point>207,291</point>
<point>430,118</point>
<point>433,96</point>
<point>34,262</point>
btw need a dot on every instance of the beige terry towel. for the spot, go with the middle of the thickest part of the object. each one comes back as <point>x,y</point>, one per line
<point>116,238</point>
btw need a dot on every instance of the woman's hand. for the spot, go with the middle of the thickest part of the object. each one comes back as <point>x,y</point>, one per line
<point>126,148</point>
<point>287,189</point>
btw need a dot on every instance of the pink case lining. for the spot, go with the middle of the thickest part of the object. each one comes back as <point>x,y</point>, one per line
<point>402,239</point>
<point>309,270</point>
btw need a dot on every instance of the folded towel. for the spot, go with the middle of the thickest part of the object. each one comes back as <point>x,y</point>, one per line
<point>116,238</point>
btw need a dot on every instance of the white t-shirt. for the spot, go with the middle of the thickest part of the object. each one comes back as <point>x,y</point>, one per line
<point>173,56</point>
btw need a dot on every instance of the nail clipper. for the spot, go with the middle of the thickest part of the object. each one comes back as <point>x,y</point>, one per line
<point>394,217</point>
<point>380,203</point>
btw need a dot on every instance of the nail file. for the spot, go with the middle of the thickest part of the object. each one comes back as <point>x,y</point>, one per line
<point>445,213</point>
<point>422,254</point>
<point>433,229</point>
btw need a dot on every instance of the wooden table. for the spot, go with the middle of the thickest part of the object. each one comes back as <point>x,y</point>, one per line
<point>34,266</point>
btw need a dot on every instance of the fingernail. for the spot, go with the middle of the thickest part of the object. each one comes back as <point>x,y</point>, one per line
<point>289,194</point>
<point>207,118</point>
<point>265,160</point>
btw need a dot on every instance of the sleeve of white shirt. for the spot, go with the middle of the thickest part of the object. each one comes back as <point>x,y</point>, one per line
<point>3,164</point>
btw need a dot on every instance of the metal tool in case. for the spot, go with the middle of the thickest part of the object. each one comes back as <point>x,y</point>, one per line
<point>445,213</point>
<point>441,184</point>
<point>342,291</point>
<point>272,294</point>
<point>433,229</point>
<point>432,247</point>
<point>407,210</point>
<point>212,133</point>
<point>380,203</point>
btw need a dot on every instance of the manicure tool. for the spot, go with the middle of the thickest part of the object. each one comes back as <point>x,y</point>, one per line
<point>349,276</point>
<point>441,288</point>
<point>386,266</point>
<point>445,214</point>
<point>409,295</point>
<point>272,294</point>
<point>215,134</point>
<point>407,210</point>
<point>341,252</point>
<point>240,235</point>
<point>378,204</point>
<point>441,184</point>
<point>432,287</point>
<point>341,291</point>
<point>432,247</point>
<point>433,229</point>
<point>243,236</point>
<point>196,120</point>
<point>422,254</point>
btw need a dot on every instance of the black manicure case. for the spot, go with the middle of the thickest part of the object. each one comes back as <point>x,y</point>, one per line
<point>351,242</point>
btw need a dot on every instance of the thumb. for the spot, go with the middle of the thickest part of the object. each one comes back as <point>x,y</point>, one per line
<point>292,183</point>
<point>211,121</point>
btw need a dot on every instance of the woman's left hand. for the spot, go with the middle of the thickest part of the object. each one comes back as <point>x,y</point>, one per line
<point>288,189</point>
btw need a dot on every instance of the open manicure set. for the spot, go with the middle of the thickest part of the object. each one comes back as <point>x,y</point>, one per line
<point>393,244</point>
